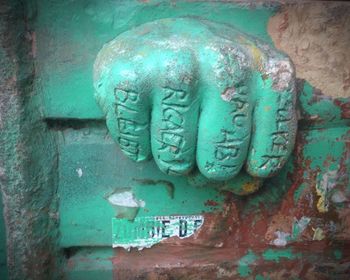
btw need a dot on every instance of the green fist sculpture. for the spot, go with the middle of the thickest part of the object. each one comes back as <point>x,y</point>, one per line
<point>196,93</point>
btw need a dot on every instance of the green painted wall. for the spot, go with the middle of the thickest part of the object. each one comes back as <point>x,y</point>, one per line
<point>92,167</point>
<point>69,35</point>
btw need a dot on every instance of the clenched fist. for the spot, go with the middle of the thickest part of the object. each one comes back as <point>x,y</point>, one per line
<point>193,92</point>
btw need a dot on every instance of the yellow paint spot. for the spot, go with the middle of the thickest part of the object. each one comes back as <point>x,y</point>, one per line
<point>267,108</point>
<point>257,56</point>
<point>255,51</point>
<point>318,234</point>
<point>322,205</point>
<point>250,187</point>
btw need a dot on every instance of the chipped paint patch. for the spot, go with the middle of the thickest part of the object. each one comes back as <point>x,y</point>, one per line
<point>282,238</point>
<point>144,232</point>
<point>228,94</point>
<point>125,199</point>
<point>244,263</point>
<point>282,74</point>
<point>323,187</point>
<point>79,172</point>
<point>339,197</point>
<point>318,234</point>
<point>299,226</point>
<point>125,203</point>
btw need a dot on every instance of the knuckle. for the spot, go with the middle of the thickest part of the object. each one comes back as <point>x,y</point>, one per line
<point>218,171</point>
<point>174,167</point>
<point>282,73</point>
<point>261,172</point>
<point>231,64</point>
<point>180,70</point>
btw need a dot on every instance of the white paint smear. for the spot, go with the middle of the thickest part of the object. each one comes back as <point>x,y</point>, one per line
<point>80,172</point>
<point>125,199</point>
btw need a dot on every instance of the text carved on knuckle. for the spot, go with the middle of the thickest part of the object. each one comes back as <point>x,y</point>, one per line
<point>174,104</point>
<point>130,147</point>
<point>227,149</point>
<point>279,148</point>
<point>128,128</point>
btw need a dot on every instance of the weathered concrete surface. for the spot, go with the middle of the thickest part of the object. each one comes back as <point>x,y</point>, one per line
<point>317,38</point>
<point>28,158</point>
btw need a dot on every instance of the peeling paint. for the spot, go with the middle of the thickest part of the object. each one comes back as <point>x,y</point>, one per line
<point>323,187</point>
<point>125,199</point>
<point>299,226</point>
<point>339,197</point>
<point>144,232</point>
<point>228,94</point>
<point>282,73</point>
<point>125,203</point>
<point>282,238</point>
<point>79,172</point>
<point>318,234</point>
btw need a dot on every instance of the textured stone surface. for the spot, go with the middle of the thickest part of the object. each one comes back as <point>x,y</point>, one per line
<point>28,158</point>
<point>317,38</point>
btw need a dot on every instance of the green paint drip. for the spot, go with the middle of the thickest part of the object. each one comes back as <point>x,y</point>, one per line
<point>243,264</point>
<point>275,255</point>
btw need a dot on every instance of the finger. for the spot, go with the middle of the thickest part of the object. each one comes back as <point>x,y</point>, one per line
<point>275,128</point>
<point>224,132</point>
<point>175,114</point>
<point>225,120</point>
<point>128,118</point>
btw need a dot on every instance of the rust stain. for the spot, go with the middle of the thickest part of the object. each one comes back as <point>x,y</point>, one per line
<point>344,107</point>
<point>214,251</point>
<point>251,187</point>
<point>210,202</point>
